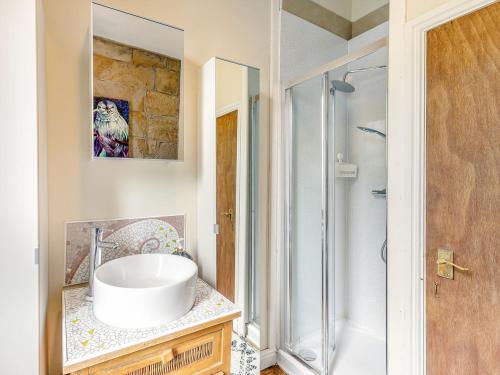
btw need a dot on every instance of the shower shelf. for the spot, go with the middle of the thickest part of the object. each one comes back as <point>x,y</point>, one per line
<point>346,170</point>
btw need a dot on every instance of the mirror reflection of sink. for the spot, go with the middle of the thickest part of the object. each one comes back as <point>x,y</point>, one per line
<point>144,290</point>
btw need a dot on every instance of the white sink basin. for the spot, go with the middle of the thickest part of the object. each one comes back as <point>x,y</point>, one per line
<point>144,290</point>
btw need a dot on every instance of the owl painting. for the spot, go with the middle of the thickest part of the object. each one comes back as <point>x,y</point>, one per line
<point>110,128</point>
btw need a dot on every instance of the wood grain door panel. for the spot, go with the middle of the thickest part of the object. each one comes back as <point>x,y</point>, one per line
<point>226,133</point>
<point>463,194</point>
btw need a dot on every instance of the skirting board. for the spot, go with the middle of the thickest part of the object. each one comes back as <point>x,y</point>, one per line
<point>253,335</point>
<point>268,358</point>
<point>291,366</point>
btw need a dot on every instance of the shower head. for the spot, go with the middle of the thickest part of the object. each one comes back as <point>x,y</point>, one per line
<point>370,130</point>
<point>344,86</point>
<point>341,86</point>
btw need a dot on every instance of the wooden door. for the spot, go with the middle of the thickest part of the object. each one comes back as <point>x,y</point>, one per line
<point>463,194</point>
<point>227,130</point>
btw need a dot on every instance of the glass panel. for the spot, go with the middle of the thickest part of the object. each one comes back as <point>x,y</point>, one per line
<point>305,246</point>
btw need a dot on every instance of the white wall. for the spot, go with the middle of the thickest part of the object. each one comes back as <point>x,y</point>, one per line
<point>304,46</point>
<point>134,187</point>
<point>19,275</point>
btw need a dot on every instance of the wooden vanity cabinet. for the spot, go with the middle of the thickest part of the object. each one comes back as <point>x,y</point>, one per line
<point>206,351</point>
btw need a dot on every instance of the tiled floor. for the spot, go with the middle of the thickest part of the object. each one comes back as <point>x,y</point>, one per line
<point>245,359</point>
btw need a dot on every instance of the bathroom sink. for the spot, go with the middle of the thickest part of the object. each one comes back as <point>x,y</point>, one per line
<point>144,290</point>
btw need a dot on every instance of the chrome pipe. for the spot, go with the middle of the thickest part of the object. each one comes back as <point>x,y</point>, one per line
<point>366,69</point>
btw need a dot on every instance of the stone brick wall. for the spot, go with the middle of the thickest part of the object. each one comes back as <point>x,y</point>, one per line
<point>150,82</point>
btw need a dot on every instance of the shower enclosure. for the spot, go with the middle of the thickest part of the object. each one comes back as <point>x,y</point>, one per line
<point>334,265</point>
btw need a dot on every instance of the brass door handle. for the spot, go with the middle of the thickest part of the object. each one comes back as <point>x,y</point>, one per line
<point>445,265</point>
<point>229,214</point>
<point>442,261</point>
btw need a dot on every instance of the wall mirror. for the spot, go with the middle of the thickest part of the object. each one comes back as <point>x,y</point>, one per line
<point>137,86</point>
<point>228,186</point>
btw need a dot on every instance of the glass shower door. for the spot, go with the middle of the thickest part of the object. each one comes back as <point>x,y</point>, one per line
<point>335,218</point>
<point>305,268</point>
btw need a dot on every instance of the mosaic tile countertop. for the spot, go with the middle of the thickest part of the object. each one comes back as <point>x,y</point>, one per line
<point>85,337</point>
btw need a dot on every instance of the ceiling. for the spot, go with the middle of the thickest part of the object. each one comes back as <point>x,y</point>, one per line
<point>351,9</point>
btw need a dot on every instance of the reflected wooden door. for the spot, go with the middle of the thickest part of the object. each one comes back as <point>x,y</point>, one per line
<point>227,130</point>
<point>463,194</point>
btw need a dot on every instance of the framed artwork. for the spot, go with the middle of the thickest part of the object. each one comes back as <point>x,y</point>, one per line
<point>110,127</point>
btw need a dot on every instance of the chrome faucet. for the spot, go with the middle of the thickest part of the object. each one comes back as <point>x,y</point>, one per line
<point>96,244</point>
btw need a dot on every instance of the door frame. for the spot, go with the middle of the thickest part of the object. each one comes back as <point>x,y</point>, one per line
<point>406,181</point>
